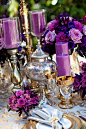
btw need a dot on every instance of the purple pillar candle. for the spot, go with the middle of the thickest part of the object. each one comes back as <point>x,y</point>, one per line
<point>63,65</point>
<point>38,22</point>
<point>61,48</point>
<point>10,33</point>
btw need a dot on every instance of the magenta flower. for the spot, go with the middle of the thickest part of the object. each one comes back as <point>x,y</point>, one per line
<point>12,106</point>
<point>10,100</point>
<point>18,106</point>
<point>61,37</point>
<point>84,69</point>
<point>51,25</point>
<point>76,84</point>
<point>78,25</point>
<point>19,93</point>
<point>36,97</point>
<point>84,84</point>
<point>27,96</point>
<point>21,101</point>
<point>33,101</point>
<point>84,78</point>
<point>75,35</point>
<point>50,36</point>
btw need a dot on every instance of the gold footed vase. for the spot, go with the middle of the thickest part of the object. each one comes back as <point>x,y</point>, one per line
<point>15,74</point>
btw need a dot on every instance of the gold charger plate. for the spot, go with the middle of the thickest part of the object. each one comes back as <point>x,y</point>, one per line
<point>76,122</point>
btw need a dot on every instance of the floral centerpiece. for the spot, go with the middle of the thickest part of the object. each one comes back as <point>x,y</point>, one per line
<point>65,29</point>
<point>80,81</point>
<point>23,101</point>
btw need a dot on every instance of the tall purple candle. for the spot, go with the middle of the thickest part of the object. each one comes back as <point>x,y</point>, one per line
<point>63,65</point>
<point>61,48</point>
<point>10,34</point>
<point>38,22</point>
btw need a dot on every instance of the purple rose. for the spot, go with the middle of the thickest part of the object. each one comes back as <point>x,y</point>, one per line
<point>19,93</point>
<point>78,25</point>
<point>50,36</point>
<point>61,37</point>
<point>75,35</point>
<point>51,25</point>
<point>21,101</point>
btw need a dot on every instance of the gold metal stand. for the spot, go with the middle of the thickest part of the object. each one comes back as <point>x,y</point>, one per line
<point>15,75</point>
<point>25,24</point>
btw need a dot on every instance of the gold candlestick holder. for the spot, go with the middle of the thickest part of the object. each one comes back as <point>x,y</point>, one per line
<point>25,24</point>
<point>15,75</point>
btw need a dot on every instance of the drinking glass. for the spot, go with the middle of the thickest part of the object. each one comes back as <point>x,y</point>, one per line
<point>66,87</point>
<point>51,85</point>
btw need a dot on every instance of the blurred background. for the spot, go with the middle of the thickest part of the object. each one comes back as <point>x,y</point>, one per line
<point>10,8</point>
<point>53,7</point>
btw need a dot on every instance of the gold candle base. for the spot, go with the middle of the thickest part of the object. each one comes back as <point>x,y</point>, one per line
<point>15,75</point>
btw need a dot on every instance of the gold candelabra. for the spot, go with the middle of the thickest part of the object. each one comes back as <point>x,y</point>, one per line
<point>15,75</point>
<point>25,24</point>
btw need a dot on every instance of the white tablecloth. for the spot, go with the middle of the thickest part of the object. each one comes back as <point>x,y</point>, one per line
<point>11,120</point>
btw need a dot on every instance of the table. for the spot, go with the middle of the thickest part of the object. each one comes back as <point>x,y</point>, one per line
<point>11,120</point>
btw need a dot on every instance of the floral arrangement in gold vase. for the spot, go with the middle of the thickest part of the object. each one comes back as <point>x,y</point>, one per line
<point>65,29</point>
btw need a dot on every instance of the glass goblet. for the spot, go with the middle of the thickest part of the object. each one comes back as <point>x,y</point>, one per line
<point>66,87</point>
<point>51,85</point>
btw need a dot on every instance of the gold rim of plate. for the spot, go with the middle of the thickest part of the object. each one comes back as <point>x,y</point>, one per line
<point>74,120</point>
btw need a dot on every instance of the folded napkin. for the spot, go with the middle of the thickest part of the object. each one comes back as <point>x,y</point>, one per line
<point>49,116</point>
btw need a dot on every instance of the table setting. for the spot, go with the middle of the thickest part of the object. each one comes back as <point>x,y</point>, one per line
<point>43,88</point>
